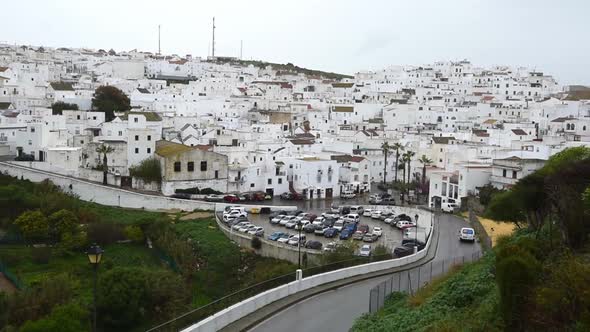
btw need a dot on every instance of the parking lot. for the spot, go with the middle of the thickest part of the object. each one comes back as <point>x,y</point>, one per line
<point>392,236</point>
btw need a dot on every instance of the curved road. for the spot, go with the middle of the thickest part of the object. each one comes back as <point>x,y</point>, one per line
<point>336,310</point>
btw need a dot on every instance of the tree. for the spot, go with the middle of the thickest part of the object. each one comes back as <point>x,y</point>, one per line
<point>407,160</point>
<point>149,170</point>
<point>109,99</point>
<point>385,147</point>
<point>104,150</point>
<point>425,162</point>
<point>62,222</point>
<point>33,225</point>
<point>397,147</point>
<point>59,106</point>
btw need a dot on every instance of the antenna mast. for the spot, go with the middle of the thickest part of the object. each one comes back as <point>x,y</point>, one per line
<point>213,45</point>
<point>159,49</point>
<point>241,48</point>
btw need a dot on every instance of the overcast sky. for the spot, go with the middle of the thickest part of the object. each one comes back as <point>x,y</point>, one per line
<point>335,35</point>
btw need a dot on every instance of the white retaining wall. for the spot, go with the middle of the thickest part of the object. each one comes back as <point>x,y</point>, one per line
<point>113,196</point>
<point>248,306</point>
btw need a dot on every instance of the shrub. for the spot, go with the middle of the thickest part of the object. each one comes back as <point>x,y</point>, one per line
<point>41,255</point>
<point>64,318</point>
<point>149,170</point>
<point>105,233</point>
<point>134,233</point>
<point>33,225</point>
<point>209,191</point>
<point>256,243</point>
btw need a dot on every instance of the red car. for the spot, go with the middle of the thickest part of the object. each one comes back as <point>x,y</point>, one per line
<point>231,198</point>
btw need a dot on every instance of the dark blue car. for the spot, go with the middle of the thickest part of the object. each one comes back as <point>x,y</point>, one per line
<point>275,236</point>
<point>345,234</point>
<point>330,232</point>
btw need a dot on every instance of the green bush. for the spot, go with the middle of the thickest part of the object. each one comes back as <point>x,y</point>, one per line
<point>33,225</point>
<point>134,233</point>
<point>149,170</point>
<point>64,318</point>
<point>256,243</point>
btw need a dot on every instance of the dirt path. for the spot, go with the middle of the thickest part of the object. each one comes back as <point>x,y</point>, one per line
<point>6,285</point>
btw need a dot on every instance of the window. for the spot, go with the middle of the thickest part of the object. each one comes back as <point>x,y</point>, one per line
<point>136,150</point>
<point>504,173</point>
<point>120,133</point>
<point>269,181</point>
<point>149,150</point>
<point>217,174</point>
<point>444,189</point>
<point>177,166</point>
<point>251,185</point>
<point>32,129</point>
<point>77,117</point>
<point>190,166</point>
<point>136,119</point>
<point>280,181</point>
<point>514,174</point>
<point>203,166</point>
<point>137,137</point>
<point>149,137</point>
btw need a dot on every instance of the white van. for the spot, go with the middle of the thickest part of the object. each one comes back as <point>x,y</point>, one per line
<point>357,209</point>
<point>352,217</point>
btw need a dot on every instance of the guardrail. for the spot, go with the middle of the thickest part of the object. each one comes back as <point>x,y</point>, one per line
<point>239,310</point>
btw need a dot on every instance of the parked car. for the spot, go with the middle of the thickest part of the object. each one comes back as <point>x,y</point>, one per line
<point>258,231</point>
<point>277,219</point>
<point>291,223</point>
<point>385,214</point>
<point>329,221</point>
<point>316,245</point>
<point>412,243</point>
<point>234,214</point>
<point>259,196</point>
<point>352,217</point>
<point>334,208</point>
<point>377,231</point>
<point>363,228</point>
<point>358,209</point>
<point>239,225</point>
<point>285,220</point>
<point>402,216</point>
<point>358,235</point>
<point>330,232</point>
<point>232,221</point>
<point>330,247</point>
<point>284,238</point>
<point>286,196</point>
<point>318,221</point>
<point>467,234</point>
<point>449,207</point>
<point>275,236</point>
<point>347,195</point>
<point>403,224</point>
<point>376,214</point>
<point>389,221</point>
<point>311,217</point>
<point>370,237</point>
<point>375,200</point>
<point>367,212</point>
<point>296,240</point>
<point>338,225</point>
<point>214,198</point>
<point>246,228</point>
<point>345,234</point>
<point>309,228</point>
<point>365,250</point>
<point>319,229</point>
<point>388,201</point>
<point>344,210</point>
<point>403,250</point>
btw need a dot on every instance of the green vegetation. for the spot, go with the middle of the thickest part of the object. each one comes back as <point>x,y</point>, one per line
<point>58,107</point>
<point>536,279</point>
<point>288,68</point>
<point>149,170</point>
<point>109,99</point>
<point>191,263</point>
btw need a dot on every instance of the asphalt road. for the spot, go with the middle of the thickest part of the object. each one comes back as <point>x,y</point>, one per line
<point>336,310</point>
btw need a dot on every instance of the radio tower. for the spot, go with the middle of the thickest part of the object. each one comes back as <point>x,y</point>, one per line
<point>159,49</point>
<point>213,44</point>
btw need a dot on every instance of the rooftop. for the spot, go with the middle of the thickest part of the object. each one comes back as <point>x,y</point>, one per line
<point>167,148</point>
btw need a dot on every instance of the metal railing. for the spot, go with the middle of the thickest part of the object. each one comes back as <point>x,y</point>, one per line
<point>411,280</point>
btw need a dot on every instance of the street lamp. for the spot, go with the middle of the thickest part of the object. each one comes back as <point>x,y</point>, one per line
<point>416,235</point>
<point>94,256</point>
<point>299,245</point>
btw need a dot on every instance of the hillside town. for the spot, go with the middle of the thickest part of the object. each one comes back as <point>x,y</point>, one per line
<point>236,126</point>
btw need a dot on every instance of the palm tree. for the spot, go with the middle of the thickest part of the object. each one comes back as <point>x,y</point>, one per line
<point>407,157</point>
<point>104,150</point>
<point>425,162</point>
<point>397,147</point>
<point>385,147</point>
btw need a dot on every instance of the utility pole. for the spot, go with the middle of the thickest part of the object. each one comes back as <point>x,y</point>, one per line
<point>213,44</point>
<point>159,49</point>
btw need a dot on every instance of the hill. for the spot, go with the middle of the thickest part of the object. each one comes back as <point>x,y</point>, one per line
<point>284,68</point>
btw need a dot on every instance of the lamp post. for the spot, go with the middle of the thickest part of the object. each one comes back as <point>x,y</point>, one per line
<point>416,235</point>
<point>94,256</point>
<point>299,245</point>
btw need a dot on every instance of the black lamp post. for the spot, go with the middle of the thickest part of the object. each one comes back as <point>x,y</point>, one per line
<point>94,256</point>
<point>416,235</point>
<point>299,245</point>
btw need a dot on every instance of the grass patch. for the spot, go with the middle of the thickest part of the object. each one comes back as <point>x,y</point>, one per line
<point>426,292</point>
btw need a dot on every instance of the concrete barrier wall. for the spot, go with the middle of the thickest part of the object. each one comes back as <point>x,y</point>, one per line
<point>113,196</point>
<point>246,307</point>
<point>270,248</point>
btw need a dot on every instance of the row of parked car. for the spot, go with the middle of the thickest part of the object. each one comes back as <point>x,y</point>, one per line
<point>401,221</point>
<point>254,196</point>
<point>237,219</point>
